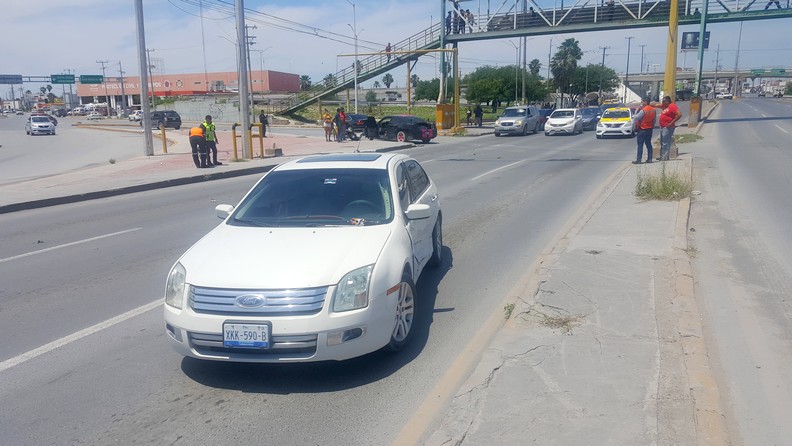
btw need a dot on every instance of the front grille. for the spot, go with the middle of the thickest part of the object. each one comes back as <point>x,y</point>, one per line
<point>295,347</point>
<point>506,124</point>
<point>219,301</point>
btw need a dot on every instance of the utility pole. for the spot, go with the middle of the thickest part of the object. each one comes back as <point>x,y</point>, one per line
<point>602,69</point>
<point>71,94</point>
<point>250,40</point>
<point>144,103</point>
<point>151,77</point>
<point>123,93</point>
<point>642,60</point>
<point>627,71</point>
<point>737,89</point>
<point>104,81</point>
<point>355,67</point>
<point>549,52</point>
<point>244,105</point>
<point>717,66</point>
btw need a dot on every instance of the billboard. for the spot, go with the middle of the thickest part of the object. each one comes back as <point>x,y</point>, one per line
<point>690,41</point>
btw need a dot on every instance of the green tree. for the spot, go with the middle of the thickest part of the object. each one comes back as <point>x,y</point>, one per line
<point>428,90</point>
<point>48,87</point>
<point>387,80</point>
<point>43,90</point>
<point>371,96</point>
<point>330,81</point>
<point>587,79</point>
<point>534,66</point>
<point>305,82</point>
<point>564,63</point>
<point>414,79</point>
<point>376,84</point>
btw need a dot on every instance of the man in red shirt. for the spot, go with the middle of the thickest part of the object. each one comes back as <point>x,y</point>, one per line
<point>668,119</point>
<point>645,119</point>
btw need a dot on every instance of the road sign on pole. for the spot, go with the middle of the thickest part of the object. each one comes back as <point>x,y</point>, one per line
<point>91,79</point>
<point>757,72</point>
<point>62,78</point>
<point>10,78</point>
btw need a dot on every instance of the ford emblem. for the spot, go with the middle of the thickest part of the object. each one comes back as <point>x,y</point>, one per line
<point>250,301</point>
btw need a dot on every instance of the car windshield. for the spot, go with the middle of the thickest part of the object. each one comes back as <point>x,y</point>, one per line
<point>39,119</point>
<point>318,197</point>
<point>615,114</point>
<point>563,114</point>
<point>513,112</point>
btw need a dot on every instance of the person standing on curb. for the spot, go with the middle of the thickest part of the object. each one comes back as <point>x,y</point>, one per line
<point>327,124</point>
<point>668,118</point>
<point>198,145</point>
<point>264,122</point>
<point>645,118</point>
<point>479,114</point>
<point>210,135</point>
<point>467,116</point>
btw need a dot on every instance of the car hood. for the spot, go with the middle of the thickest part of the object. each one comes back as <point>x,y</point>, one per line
<point>245,257</point>
<point>560,120</point>
<point>612,120</point>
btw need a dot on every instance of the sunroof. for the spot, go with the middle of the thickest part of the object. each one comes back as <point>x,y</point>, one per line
<point>341,157</point>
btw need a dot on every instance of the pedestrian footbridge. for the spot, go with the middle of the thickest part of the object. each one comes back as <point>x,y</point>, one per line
<point>517,18</point>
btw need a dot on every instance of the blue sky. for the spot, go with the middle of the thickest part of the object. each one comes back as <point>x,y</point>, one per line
<point>55,35</point>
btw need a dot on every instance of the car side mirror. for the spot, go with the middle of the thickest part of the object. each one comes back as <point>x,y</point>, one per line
<point>418,211</point>
<point>223,211</point>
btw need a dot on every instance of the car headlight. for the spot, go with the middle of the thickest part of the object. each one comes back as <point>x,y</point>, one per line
<point>174,287</point>
<point>353,290</point>
<point>518,122</point>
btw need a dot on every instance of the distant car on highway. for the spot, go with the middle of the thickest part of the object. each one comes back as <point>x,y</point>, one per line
<point>591,116</point>
<point>564,120</point>
<point>724,95</point>
<point>93,116</point>
<point>617,121</point>
<point>135,115</point>
<point>39,125</point>
<point>519,120</point>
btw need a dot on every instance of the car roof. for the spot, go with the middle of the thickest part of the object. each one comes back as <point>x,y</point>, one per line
<point>343,161</point>
<point>618,109</point>
<point>565,109</point>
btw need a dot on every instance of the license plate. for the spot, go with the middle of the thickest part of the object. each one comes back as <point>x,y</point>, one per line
<point>246,335</point>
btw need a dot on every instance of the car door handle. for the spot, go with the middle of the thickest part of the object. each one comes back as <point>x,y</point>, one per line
<point>434,197</point>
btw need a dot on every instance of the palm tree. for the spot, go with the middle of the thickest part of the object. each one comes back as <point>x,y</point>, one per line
<point>534,67</point>
<point>414,79</point>
<point>43,90</point>
<point>305,82</point>
<point>330,81</point>
<point>564,63</point>
<point>387,80</point>
<point>376,84</point>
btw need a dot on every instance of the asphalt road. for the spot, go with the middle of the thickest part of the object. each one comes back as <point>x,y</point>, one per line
<point>24,156</point>
<point>87,361</point>
<point>743,262</point>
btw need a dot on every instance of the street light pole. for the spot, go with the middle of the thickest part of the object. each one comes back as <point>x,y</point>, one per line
<point>642,60</point>
<point>355,67</point>
<point>104,81</point>
<point>516,67</point>
<point>627,71</point>
<point>602,69</point>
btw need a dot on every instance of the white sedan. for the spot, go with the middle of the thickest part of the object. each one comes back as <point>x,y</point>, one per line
<point>94,116</point>
<point>317,262</point>
<point>564,120</point>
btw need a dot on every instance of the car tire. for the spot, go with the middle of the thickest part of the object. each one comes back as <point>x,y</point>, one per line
<point>525,130</point>
<point>405,313</point>
<point>437,243</point>
<point>401,136</point>
<point>547,134</point>
<point>497,134</point>
<point>536,129</point>
<point>599,136</point>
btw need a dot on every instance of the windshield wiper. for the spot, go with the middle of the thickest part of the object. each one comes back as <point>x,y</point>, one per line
<point>257,224</point>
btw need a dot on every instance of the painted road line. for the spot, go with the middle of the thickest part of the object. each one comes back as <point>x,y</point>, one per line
<point>495,170</point>
<point>78,242</point>
<point>66,340</point>
<point>781,128</point>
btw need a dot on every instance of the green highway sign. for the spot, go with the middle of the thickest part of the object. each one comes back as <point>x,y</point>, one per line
<point>91,78</point>
<point>62,78</point>
<point>777,71</point>
<point>757,72</point>
<point>10,78</point>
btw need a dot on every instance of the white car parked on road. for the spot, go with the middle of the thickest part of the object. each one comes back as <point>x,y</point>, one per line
<point>317,262</point>
<point>135,115</point>
<point>564,120</point>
